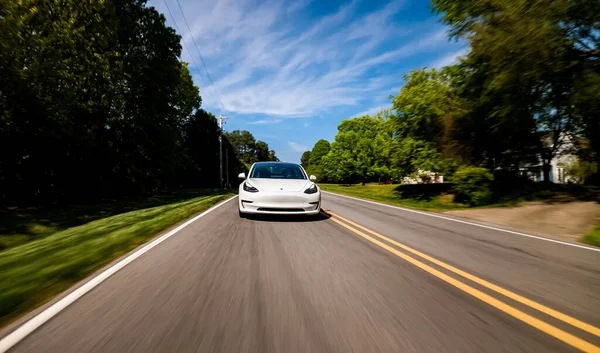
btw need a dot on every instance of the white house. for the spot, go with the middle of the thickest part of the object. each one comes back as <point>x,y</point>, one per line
<point>562,158</point>
<point>423,177</point>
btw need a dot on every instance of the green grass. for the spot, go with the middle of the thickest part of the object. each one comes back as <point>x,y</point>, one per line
<point>19,226</point>
<point>593,237</point>
<point>55,255</point>
<point>433,198</point>
<point>391,195</point>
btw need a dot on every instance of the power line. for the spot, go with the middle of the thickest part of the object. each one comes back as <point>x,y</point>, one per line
<point>188,50</point>
<point>200,55</point>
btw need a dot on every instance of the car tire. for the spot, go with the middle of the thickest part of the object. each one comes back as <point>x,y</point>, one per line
<point>242,215</point>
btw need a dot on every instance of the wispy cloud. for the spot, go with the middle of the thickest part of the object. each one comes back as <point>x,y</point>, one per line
<point>296,147</point>
<point>263,60</point>
<point>450,59</point>
<point>265,121</point>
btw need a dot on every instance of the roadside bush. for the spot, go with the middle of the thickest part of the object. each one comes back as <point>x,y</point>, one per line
<point>473,186</point>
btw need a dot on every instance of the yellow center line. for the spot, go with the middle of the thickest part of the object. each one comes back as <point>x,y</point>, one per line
<point>514,296</point>
<point>516,313</point>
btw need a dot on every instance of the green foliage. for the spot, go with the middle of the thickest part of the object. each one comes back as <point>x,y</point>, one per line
<point>94,97</point>
<point>411,156</point>
<point>201,143</point>
<point>473,186</point>
<point>426,105</point>
<point>593,236</point>
<point>315,162</point>
<point>532,75</point>
<point>422,196</point>
<point>586,102</point>
<point>581,170</point>
<point>247,149</point>
<point>361,151</point>
<point>319,151</point>
<point>305,159</point>
<point>426,110</point>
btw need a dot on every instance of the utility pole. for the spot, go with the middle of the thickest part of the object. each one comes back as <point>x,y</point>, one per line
<point>221,119</point>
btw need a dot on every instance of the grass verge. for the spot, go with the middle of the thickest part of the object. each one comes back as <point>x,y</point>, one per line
<point>391,194</point>
<point>35,271</point>
<point>593,237</point>
<point>439,197</point>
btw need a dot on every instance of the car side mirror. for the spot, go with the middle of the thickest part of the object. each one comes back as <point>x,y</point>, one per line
<point>242,176</point>
<point>313,178</point>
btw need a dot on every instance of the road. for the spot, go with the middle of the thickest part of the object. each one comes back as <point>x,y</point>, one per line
<point>367,278</point>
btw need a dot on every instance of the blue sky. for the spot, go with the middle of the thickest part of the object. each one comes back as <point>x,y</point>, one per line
<point>291,71</point>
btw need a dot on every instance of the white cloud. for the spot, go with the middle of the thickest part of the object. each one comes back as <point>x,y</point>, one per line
<point>263,60</point>
<point>450,59</point>
<point>296,147</point>
<point>265,121</point>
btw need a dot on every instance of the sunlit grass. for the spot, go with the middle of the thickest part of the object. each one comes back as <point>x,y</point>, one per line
<point>35,271</point>
<point>593,237</point>
<point>21,225</point>
<point>411,196</point>
<point>389,194</point>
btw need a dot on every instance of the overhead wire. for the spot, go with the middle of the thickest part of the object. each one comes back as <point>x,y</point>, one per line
<point>200,55</point>
<point>189,52</point>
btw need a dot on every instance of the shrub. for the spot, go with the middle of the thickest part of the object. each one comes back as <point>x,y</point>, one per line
<point>579,171</point>
<point>473,186</point>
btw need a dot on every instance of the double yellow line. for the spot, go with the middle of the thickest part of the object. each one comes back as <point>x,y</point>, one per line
<point>508,309</point>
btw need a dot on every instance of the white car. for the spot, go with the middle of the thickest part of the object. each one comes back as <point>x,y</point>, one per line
<point>278,188</point>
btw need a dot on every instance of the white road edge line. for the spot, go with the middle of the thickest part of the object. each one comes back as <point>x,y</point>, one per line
<point>27,328</point>
<point>469,223</point>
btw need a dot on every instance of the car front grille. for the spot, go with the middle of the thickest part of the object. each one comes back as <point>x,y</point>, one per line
<point>269,209</point>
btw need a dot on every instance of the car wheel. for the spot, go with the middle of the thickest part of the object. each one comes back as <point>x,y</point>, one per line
<point>242,215</point>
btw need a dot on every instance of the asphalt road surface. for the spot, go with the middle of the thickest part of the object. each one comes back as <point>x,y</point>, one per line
<point>366,278</point>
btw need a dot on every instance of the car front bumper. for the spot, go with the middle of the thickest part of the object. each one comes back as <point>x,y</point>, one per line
<point>290,203</point>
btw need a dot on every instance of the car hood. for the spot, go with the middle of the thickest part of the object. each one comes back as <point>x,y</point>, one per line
<point>280,184</point>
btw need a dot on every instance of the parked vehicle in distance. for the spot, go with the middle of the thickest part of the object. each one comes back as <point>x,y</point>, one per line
<point>278,188</point>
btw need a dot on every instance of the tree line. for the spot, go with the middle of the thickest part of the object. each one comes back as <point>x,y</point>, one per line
<point>527,91</point>
<point>248,149</point>
<point>95,102</point>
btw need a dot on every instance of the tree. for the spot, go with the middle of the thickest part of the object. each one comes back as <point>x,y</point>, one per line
<point>304,160</point>
<point>263,153</point>
<point>248,149</point>
<point>528,57</point>
<point>361,151</point>
<point>56,95</point>
<point>319,151</point>
<point>94,97</point>
<point>586,104</point>
<point>201,141</point>
<point>426,106</point>
<point>315,165</point>
<point>424,124</point>
<point>272,156</point>
<point>244,144</point>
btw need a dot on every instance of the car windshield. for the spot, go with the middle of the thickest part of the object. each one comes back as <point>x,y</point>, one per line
<point>277,171</point>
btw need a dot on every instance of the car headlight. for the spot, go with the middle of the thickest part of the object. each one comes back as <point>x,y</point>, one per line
<point>311,190</point>
<point>249,188</point>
